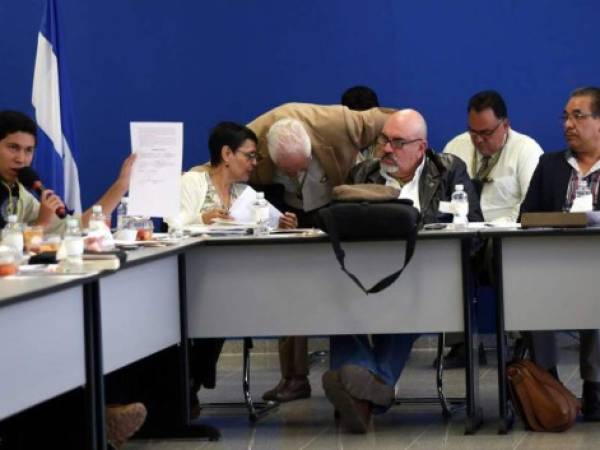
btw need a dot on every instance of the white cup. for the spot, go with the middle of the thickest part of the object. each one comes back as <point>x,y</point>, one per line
<point>127,235</point>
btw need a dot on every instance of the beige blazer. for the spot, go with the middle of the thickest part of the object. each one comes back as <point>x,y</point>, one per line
<point>336,134</point>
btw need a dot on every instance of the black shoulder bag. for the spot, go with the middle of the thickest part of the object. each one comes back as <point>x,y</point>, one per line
<point>395,219</point>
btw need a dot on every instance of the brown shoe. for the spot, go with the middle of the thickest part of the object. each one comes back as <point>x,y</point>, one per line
<point>122,421</point>
<point>294,389</point>
<point>271,394</point>
<point>364,385</point>
<point>355,415</point>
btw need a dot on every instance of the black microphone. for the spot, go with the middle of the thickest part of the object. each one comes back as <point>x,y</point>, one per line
<point>31,180</point>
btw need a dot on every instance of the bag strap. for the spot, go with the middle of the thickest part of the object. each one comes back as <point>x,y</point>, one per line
<point>332,231</point>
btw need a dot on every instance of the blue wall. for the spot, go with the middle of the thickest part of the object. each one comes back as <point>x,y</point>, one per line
<point>200,62</point>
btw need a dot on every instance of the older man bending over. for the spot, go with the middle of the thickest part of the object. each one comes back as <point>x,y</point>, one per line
<point>308,149</point>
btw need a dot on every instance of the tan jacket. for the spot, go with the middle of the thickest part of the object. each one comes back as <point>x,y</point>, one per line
<point>336,134</point>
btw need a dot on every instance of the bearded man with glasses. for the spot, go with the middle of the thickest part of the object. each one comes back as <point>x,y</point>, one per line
<point>406,162</point>
<point>363,374</point>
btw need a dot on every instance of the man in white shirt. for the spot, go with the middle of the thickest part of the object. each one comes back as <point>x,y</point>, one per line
<point>500,161</point>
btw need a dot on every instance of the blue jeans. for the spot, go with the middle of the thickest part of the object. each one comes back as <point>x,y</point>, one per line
<point>385,359</point>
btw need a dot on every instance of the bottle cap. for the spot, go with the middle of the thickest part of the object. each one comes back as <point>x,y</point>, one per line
<point>459,187</point>
<point>12,218</point>
<point>97,209</point>
<point>260,196</point>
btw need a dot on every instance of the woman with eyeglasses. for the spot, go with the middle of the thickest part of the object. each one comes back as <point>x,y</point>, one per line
<point>209,190</point>
<point>207,193</point>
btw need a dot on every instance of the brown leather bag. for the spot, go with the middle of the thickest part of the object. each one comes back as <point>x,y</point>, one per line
<point>542,401</point>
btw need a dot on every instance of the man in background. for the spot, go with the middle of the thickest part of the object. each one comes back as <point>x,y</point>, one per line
<point>361,98</point>
<point>500,162</point>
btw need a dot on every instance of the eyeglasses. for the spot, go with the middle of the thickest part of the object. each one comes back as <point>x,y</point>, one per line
<point>396,143</point>
<point>484,133</point>
<point>576,116</point>
<point>251,156</point>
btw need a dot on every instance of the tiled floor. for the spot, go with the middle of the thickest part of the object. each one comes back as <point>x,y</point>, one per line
<point>309,424</point>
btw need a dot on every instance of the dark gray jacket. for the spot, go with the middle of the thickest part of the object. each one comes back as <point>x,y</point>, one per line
<point>440,174</point>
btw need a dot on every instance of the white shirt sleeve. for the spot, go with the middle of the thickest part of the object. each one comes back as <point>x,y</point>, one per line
<point>462,146</point>
<point>193,195</point>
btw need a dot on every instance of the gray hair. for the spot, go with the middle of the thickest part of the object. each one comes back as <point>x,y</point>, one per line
<point>589,91</point>
<point>286,137</point>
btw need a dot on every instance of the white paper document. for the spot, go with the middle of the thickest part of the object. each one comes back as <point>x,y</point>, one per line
<point>156,178</point>
<point>241,210</point>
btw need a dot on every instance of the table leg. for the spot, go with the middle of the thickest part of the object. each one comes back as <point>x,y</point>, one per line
<point>94,389</point>
<point>474,417</point>
<point>505,413</point>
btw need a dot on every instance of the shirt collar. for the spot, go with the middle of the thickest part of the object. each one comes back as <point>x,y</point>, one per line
<point>388,178</point>
<point>572,161</point>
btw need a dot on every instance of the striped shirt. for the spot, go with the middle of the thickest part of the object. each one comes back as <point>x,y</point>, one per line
<point>592,178</point>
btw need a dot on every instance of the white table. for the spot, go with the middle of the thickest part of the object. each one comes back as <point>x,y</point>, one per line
<point>253,288</point>
<point>43,348</point>
<point>225,288</point>
<point>139,311</point>
<point>298,289</point>
<point>45,331</point>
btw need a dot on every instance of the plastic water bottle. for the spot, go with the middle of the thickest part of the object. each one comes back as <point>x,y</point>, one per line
<point>584,200</point>
<point>460,206</point>
<point>175,228</point>
<point>97,220</point>
<point>260,209</point>
<point>73,241</point>
<point>12,235</point>
<point>122,213</point>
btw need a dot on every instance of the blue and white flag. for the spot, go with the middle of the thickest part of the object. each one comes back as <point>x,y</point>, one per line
<point>55,158</point>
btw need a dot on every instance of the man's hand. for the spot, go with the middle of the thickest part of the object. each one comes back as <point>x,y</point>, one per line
<point>288,220</point>
<point>209,216</point>
<point>49,203</point>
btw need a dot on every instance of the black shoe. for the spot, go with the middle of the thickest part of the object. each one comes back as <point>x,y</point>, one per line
<point>456,357</point>
<point>591,401</point>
